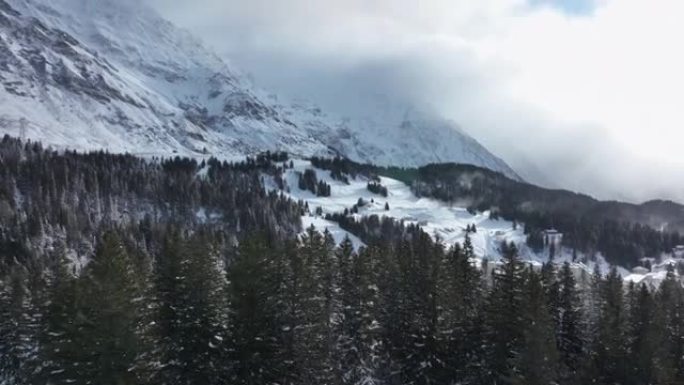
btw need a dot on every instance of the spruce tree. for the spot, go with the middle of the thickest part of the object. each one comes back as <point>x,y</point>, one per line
<point>474,328</point>
<point>256,323</point>
<point>462,292</point>
<point>570,329</point>
<point>505,317</point>
<point>403,322</point>
<point>390,313</point>
<point>670,316</point>
<point>62,349</point>
<point>424,363</point>
<point>449,323</point>
<point>19,326</point>
<point>592,302</point>
<point>308,288</point>
<point>192,311</point>
<point>611,345</point>
<point>112,309</point>
<point>644,336</point>
<point>538,359</point>
<point>359,338</point>
<point>551,286</point>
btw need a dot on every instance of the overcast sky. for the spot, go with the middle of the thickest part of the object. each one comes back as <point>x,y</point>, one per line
<point>580,94</point>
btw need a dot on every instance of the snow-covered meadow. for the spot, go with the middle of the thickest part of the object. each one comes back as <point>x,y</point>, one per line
<point>442,221</point>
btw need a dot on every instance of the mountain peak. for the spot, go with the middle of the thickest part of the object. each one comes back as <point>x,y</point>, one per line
<point>91,74</point>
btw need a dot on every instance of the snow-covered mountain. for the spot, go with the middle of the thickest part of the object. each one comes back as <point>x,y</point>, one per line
<point>113,74</point>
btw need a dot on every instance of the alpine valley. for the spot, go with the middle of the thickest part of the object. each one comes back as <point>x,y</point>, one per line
<point>163,221</point>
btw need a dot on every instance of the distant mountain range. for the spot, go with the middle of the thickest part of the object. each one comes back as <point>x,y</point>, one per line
<point>111,74</point>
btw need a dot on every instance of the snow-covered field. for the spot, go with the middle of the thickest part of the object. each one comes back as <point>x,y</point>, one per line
<point>444,222</point>
<point>436,218</point>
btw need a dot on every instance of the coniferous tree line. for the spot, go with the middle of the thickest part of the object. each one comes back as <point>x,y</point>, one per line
<point>61,200</point>
<point>377,188</point>
<point>309,181</point>
<point>172,306</point>
<point>212,285</point>
<point>374,229</point>
<point>343,169</point>
<point>623,233</point>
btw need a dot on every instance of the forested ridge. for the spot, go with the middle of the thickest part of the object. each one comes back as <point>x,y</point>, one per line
<point>62,200</point>
<point>623,233</point>
<point>197,274</point>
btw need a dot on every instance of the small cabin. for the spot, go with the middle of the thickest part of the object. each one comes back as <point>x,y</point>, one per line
<point>640,270</point>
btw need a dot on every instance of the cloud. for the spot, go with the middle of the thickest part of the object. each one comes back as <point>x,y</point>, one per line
<point>571,7</point>
<point>581,94</point>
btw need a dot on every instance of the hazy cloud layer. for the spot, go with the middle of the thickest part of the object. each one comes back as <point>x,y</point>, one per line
<point>581,94</point>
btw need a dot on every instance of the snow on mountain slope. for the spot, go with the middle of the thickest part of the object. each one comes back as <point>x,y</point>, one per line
<point>444,222</point>
<point>436,218</point>
<point>412,138</point>
<point>113,74</point>
<point>109,74</point>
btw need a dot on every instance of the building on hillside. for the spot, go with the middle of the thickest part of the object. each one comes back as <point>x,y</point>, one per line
<point>640,270</point>
<point>678,251</point>
<point>552,237</point>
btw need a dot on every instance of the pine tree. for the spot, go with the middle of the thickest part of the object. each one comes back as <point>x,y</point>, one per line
<point>424,362</point>
<point>505,317</point>
<point>611,346</point>
<point>111,308</point>
<point>169,297</point>
<point>359,339</point>
<point>570,328</point>
<point>91,326</point>
<point>462,293</point>
<point>390,313</point>
<point>670,316</point>
<point>403,334</point>
<point>644,336</point>
<point>19,326</point>
<point>475,327</point>
<point>325,266</point>
<point>256,325</point>
<point>450,325</point>
<point>593,302</point>
<point>346,350</point>
<point>191,319</point>
<point>308,288</point>
<point>62,349</point>
<point>537,363</point>
<point>552,292</point>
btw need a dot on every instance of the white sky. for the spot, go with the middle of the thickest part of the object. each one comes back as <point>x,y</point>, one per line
<point>591,102</point>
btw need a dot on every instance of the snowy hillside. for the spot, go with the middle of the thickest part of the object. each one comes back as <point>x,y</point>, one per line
<point>113,74</point>
<point>440,220</point>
